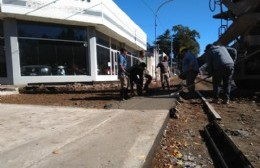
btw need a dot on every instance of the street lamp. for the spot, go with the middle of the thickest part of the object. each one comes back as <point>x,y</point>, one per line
<point>171,57</point>
<point>155,25</point>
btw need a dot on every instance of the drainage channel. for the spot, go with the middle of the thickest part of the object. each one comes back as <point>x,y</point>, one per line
<point>223,150</point>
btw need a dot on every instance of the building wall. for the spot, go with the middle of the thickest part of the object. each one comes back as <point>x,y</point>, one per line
<point>13,13</point>
<point>105,15</point>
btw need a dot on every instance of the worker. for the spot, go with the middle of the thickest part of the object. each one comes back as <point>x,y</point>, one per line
<point>190,70</point>
<point>220,65</point>
<point>122,76</point>
<point>146,74</point>
<point>165,70</point>
<point>135,74</point>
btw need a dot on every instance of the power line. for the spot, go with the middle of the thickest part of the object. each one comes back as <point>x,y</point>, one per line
<point>153,12</point>
<point>149,7</point>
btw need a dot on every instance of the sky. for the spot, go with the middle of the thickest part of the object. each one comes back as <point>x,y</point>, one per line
<point>194,14</point>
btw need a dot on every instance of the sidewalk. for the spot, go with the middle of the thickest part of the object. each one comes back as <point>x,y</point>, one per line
<point>52,137</point>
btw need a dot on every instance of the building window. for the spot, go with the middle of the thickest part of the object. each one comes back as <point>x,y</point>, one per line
<point>102,39</point>
<point>114,58</point>
<point>51,31</point>
<point>103,61</point>
<point>3,72</point>
<point>115,44</point>
<point>107,55</point>
<point>56,50</point>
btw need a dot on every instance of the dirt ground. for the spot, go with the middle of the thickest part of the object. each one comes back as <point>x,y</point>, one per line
<point>182,143</point>
<point>183,138</point>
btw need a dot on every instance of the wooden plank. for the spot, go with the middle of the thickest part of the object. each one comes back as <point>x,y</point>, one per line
<point>210,107</point>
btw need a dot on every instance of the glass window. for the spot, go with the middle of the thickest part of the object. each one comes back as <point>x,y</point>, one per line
<point>103,61</point>
<point>51,49</point>
<point>1,29</point>
<point>51,31</point>
<point>44,57</point>
<point>3,72</point>
<point>102,39</point>
<point>114,44</point>
<point>114,55</point>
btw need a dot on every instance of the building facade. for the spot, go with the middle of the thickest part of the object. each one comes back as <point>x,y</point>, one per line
<point>58,41</point>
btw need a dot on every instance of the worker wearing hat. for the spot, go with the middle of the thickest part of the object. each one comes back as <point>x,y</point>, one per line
<point>183,49</point>
<point>190,69</point>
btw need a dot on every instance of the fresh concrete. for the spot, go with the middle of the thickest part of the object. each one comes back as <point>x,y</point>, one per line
<point>65,137</point>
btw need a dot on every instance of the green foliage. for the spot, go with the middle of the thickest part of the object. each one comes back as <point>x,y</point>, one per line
<point>164,42</point>
<point>182,36</point>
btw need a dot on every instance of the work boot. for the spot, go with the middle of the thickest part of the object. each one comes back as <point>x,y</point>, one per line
<point>125,93</point>
<point>139,90</point>
<point>122,95</point>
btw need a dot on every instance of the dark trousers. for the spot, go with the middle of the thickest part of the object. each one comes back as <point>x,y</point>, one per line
<point>139,84</point>
<point>148,81</point>
<point>190,82</point>
<point>223,74</point>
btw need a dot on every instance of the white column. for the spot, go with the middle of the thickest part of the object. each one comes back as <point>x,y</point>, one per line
<point>92,52</point>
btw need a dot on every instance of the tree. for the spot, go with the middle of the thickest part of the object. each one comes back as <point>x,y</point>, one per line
<point>184,37</point>
<point>164,42</point>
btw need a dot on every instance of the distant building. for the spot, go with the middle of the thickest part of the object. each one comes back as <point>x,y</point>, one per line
<point>57,41</point>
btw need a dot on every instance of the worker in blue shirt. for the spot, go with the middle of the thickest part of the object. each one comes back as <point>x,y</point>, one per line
<point>122,73</point>
<point>190,69</point>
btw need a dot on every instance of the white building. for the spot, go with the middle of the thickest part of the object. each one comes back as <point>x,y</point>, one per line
<point>55,41</point>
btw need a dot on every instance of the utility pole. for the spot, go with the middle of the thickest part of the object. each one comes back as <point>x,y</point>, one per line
<point>171,57</point>
<point>155,26</point>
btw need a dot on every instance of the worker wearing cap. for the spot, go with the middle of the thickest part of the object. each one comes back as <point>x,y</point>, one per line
<point>190,69</point>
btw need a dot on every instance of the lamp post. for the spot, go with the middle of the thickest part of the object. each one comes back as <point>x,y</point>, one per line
<point>171,57</point>
<point>155,26</point>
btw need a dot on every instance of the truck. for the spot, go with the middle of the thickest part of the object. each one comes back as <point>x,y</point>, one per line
<point>244,35</point>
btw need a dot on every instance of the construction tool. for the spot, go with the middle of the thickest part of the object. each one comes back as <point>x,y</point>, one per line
<point>177,93</point>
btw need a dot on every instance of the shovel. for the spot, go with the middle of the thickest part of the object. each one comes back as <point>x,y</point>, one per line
<point>177,93</point>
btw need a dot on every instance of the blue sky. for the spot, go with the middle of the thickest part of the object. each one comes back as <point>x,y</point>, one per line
<point>194,14</point>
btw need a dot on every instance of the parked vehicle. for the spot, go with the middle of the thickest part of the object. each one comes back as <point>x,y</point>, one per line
<point>36,70</point>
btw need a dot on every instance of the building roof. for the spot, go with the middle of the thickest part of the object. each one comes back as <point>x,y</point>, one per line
<point>104,15</point>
